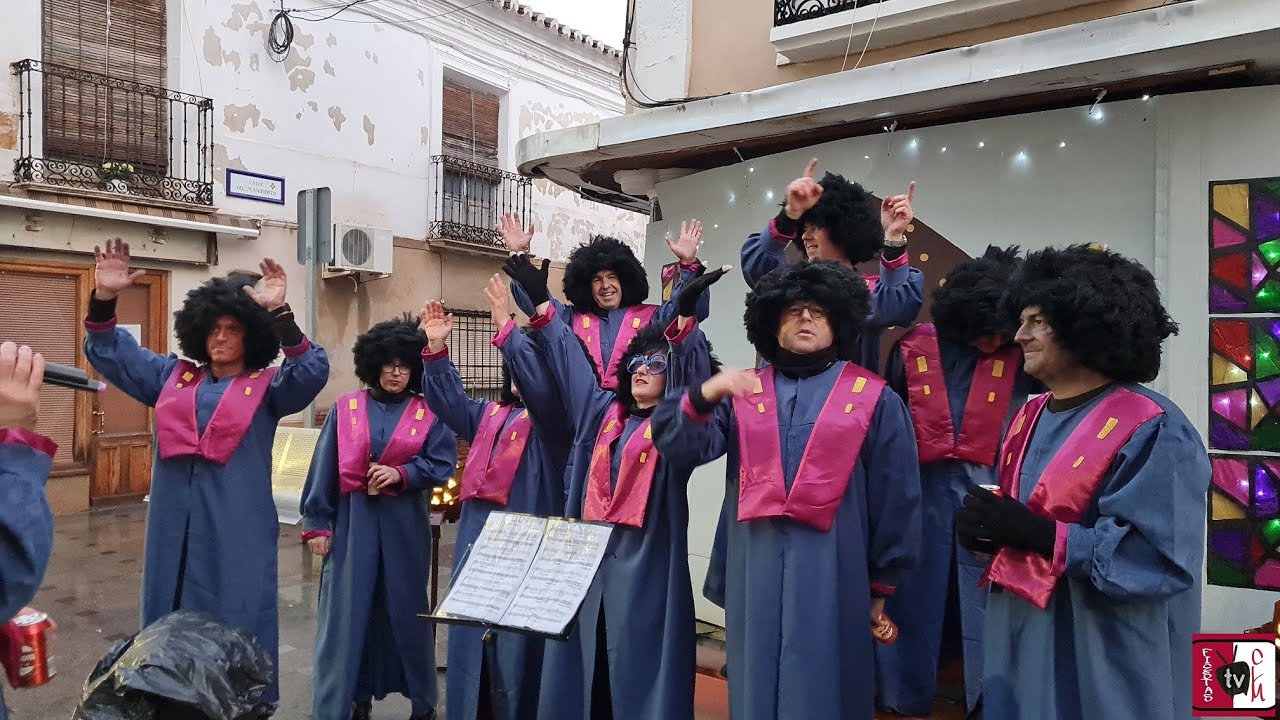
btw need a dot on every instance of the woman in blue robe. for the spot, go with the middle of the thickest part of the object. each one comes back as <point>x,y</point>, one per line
<point>26,524</point>
<point>804,579</point>
<point>212,526</point>
<point>499,682</point>
<point>941,599</point>
<point>630,655</point>
<point>834,219</point>
<point>365,510</point>
<point>606,284</point>
<point>1098,535</point>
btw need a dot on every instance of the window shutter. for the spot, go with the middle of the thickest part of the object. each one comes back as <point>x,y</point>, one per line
<point>94,121</point>
<point>42,311</point>
<point>469,122</point>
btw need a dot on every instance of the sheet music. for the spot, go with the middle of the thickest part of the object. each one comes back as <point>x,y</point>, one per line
<point>498,562</point>
<point>558,579</point>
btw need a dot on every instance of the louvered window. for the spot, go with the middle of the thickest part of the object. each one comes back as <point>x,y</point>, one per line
<point>470,124</point>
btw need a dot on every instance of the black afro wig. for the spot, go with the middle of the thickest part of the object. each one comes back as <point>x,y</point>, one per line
<point>851,217</point>
<point>225,297</point>
<point>967,305</point>
<point>1104,308</point>
<point>604,253</point>
<point>834,287</point>
<point>390,340</point>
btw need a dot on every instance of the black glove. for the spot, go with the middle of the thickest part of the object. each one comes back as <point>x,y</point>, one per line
<point>687,302</point>
<point>532,279</point>
<point>989,521</point>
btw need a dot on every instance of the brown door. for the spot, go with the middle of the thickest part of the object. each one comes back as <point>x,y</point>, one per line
<point>120,451</point>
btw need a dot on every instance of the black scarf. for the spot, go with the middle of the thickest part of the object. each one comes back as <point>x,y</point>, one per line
<point>801,366</point>
<point>387,398</point>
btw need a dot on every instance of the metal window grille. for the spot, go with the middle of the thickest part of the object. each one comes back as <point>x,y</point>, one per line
<point>478,361</point>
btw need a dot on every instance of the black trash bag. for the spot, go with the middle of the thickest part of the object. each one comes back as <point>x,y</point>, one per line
<point>184,666</point>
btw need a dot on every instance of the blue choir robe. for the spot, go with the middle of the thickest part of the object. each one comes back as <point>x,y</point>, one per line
<point>514,664</point>
<point>907,669</point>
<point>1114,641</point>
<point>26,524</point>
<point>370,641</point>
<point>798,600</point>
<point>896,298</point>
<point>611,322</point>
<point>642,589</point>
<point>213,530</point>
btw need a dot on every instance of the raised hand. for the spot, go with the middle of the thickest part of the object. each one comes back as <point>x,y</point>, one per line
<point>803,192</point>
<point>437,324</point>
<point>111,269</point>
<point>687,302</point>
<point>730,383</point>
<point>532,279</point>
<point>686,248</point>
<point>21,372</point>
<point>516,238</point>
<point>499,298</point>
<point>896,213</point>
<point>274,285</point>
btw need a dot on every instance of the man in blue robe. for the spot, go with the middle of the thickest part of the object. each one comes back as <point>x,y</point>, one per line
<point>606,287</point>
<point>1098,532</point>
<point>816,539</point>
<point>836,220</point>
<point>26,525</point>
<point>365,510</point>
<point>519,445</point>
<point>961,378</point>
<point>630,655</point>
<point>212,527</point>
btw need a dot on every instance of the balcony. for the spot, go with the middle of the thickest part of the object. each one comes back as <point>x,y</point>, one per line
<point>469,200</point>
<point>82,132</point>
<point>808,30</point>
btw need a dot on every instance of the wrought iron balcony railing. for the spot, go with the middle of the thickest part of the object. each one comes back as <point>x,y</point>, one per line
<point>470,198</point>
<point>81,129</point>
<point>786,12</point>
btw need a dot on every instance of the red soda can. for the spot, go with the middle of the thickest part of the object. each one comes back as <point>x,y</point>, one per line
<point>995,489</point>
<point>27,656</point>
<point>884,630</point>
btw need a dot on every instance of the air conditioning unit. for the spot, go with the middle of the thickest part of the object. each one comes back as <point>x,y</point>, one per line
<point>360,249</point>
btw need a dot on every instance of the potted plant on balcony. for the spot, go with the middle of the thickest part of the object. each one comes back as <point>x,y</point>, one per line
<point>116,176</point>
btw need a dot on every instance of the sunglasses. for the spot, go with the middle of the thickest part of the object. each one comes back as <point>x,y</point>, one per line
<point>657,364</point>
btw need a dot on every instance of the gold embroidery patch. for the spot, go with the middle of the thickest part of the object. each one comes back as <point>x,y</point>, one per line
<point>1107,428</point>
<point>648,433</point>
<point>248,391</point>
<point>991,397</point>
<point>524,414</point>
<point>1018,428</point>
<point>609,427</point>
<point>586,322</point>
<point>921,364</point>
<point>759,387</point>
<point>513,434</point>
<point>420,414</point>
<point>760,407</point>
<point>413,432</point>
<point>848,408</point>
<point>1008,458</point>
<point>643,456</point>
<point>354,422</point>
<point>255,376</point>
<point>354,404</point>
<point>493,410</point>
<point>997,369</point>
<point>186,376</point>
<point>859,384</point>
<point>1079,461</point>
<point>635,323</point>
<point>179,385</point>
<point>928,390</point>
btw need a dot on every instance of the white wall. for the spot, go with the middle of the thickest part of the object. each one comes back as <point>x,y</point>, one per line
<point>659,62</point>
<point>1134,177</point>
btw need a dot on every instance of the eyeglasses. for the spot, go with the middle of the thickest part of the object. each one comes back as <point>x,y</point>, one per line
<point>396,369</point>
<point>657,364</point>
<point>797,311</point>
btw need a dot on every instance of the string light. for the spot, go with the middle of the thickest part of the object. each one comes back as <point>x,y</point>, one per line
<point>1146,98</point>
<point>944,148</point>
<point>981,144</point>
<point>1062,143</point>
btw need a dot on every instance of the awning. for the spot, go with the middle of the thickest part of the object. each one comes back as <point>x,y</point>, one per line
<point>131,212</point>
<point>1194,45</point>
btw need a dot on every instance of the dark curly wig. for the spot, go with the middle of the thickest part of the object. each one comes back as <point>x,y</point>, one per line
<point>836,288</point>
<point>850,215</point>
<point>225,297</point>
<point>397,339</point>
<point>604,253</point>
<point>1104,308</point>
<point>967,306</point>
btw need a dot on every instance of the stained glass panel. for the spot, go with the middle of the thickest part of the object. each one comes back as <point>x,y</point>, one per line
<point>1244,522</point>
<point>1244,246</point>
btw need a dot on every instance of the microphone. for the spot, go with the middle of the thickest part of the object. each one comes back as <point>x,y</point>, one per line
<point>71,377</point>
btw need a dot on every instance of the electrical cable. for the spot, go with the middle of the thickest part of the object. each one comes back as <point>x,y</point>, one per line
<point>628,82</point>
<point>280,35</point>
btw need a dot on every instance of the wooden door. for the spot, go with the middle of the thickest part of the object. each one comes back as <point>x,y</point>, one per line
<point>121,449</point>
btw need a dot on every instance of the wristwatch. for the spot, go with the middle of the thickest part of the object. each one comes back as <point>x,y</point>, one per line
<point>895,243</point>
